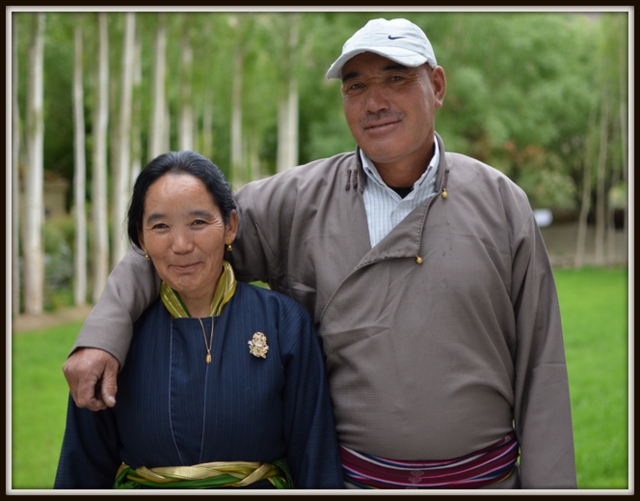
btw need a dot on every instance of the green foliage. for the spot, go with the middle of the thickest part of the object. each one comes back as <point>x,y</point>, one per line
<point>618,195</point>
<point>520,78</point>
<point>58,78</point>
<point>594,310</point>
<point>58,236</point>
<point>549,189</point>
<point>328,138</point>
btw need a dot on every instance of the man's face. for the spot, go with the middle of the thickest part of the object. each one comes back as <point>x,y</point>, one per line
<point>390,108</point>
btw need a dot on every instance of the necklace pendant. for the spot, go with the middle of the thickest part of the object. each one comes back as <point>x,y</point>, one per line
<point>210,343</point>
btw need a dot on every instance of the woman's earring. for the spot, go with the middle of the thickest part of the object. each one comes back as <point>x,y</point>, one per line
<point>229,248</point>
<point>146,255</point>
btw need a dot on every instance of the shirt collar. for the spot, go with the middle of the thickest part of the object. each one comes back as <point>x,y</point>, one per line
<point>430,172</point>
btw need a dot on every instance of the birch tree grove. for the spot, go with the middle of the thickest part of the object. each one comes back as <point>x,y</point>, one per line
<point>99,94</point>
<point>121,171</point>
<point>34,179</point>
<point>80,176</point>
<point>100,246</point>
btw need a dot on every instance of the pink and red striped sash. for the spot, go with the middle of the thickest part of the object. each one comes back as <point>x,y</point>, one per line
<point>478,469</point>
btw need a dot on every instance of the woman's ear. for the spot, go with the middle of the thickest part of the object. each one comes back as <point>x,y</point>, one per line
<point>141,242</point>
<point>231,229</point>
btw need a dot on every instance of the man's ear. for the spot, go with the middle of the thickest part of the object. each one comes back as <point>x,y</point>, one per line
<point>439,83</point>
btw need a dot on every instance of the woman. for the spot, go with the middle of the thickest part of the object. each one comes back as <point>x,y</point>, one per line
<point>224,384</point>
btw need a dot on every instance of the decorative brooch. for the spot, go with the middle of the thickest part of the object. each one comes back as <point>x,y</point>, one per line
<point>258,346</point>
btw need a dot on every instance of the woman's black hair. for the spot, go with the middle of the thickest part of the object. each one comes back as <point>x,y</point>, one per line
<point>178,162</point>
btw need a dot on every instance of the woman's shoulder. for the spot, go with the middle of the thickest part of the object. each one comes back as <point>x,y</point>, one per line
<point>155,312</point>
<point>270,299</point>
<point>262,291</point>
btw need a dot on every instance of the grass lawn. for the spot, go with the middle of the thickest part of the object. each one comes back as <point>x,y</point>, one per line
<point>595,322</point>
<point>39,404</point>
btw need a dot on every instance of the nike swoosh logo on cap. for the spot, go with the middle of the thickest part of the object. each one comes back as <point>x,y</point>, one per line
<point>394,38</point>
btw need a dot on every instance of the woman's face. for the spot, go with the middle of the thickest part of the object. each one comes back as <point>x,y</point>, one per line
<point>185,236</point>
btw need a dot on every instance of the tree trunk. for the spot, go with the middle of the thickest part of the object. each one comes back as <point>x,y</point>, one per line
<point>254,160</point>
<point>601,216</point>
<point>288,127</point>
<point>166,138</point>
<point>236,177</point>
<point>79,178</point>
<point>185,122</point>
<point>207,127</point>
<point>195,127</point>
<point>283,132</point>
<point>15,174</point>
<point>288,104</point>
<point>120,193</point>
<point>585,204</point>
<point>158,125</point>
<point>100,243</point>
<point>611,225</point>
<point>33,248</point>
<point>292,156</point>
<point>624,131</point>
<point>136,139</point>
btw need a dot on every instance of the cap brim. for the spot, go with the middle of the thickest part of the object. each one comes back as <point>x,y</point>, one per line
<point>400,56</point>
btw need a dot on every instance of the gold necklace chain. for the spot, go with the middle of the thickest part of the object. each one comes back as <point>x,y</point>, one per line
<point>208,346</point>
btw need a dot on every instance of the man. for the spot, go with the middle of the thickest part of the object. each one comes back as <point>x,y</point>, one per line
<point>428,280</point>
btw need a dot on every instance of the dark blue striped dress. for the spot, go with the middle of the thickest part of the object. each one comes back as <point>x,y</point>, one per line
<point>175,409</point>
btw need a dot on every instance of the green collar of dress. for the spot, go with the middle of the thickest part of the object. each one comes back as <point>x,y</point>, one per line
<point>224,292</point>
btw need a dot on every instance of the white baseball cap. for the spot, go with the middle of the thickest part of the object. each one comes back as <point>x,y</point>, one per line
<point>397,39</point>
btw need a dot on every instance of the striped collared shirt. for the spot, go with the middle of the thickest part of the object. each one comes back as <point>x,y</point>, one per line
<point>384,207</point>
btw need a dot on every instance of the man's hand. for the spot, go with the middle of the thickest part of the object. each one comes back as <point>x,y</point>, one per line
<point>92,376</point>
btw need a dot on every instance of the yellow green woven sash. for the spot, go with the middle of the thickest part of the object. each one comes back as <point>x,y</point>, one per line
<point>224,292</point>
<point>219,474</point>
